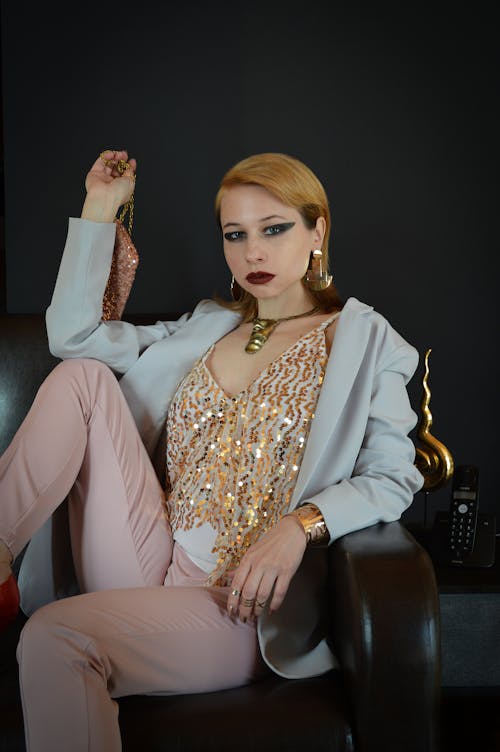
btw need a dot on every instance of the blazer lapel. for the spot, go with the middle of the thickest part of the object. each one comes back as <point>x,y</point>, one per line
<point>348,349</point>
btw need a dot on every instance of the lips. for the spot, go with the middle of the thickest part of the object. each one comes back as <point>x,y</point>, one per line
<point>259,278</point>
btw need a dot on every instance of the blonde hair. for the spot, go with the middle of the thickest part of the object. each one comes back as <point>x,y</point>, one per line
<point>295,185</point>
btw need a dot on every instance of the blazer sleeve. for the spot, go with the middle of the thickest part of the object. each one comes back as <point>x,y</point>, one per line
<point>384,479</point>
<point>74,322</point>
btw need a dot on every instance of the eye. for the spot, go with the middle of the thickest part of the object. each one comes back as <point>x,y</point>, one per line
<point>234,235</point>
<point>278,229</point>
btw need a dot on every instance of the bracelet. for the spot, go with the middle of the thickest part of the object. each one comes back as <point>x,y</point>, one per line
<point>313,523</point>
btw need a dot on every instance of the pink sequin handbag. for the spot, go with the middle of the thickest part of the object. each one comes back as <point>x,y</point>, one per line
<point>123,268</point>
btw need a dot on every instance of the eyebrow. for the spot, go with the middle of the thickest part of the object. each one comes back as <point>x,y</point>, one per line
<point>263,219</point>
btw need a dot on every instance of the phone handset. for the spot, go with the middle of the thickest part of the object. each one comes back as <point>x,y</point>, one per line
<point>463,513</point>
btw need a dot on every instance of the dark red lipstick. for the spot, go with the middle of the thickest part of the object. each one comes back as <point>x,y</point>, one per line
<point>259,278</point>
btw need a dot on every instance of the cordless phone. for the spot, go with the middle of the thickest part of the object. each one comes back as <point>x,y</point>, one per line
<point>463,512</point>
<point>462,536</point>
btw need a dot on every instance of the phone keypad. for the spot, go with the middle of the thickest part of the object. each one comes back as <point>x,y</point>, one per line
<point>462,527</point>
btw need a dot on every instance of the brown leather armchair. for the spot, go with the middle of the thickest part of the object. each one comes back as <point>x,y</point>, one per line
<point>384,629</point>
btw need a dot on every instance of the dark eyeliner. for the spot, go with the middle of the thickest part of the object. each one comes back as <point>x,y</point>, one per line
<point>230,236</point>
<point>282,227</point>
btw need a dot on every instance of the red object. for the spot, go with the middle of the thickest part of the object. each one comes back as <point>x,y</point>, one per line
<point>9,602</point>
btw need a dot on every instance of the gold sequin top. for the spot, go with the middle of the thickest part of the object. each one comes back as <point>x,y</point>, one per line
<point>232,462</point>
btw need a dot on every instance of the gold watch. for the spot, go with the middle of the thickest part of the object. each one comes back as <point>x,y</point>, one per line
<point>313,523</point>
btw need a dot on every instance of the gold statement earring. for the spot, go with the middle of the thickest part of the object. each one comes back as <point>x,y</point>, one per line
<point>236,291</point>
<point>316,277</point>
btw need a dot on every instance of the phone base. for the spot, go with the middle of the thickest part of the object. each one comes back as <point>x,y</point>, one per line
<point>483,553</point>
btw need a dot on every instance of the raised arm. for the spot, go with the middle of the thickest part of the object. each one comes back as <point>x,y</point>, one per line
<point>74,318</point>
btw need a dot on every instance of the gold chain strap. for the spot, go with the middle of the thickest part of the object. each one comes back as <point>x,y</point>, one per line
<point>121,166</point>
<point>129,206</point>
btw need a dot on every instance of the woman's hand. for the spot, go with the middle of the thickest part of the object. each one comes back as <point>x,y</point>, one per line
<point>108,188</point>
<point>266,569</point>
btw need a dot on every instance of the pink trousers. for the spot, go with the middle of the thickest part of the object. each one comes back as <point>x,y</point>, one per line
<point>145,623</point>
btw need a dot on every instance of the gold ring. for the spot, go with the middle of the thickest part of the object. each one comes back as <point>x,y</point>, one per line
<point>235,592</point>
<point>261,605</point>
<point>248,602</point>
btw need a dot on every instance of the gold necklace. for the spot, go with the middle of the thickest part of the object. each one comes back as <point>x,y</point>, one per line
<point>263,328</point>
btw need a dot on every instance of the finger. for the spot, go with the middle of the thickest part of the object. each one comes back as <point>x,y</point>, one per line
<point>99,165</point>
<point>106,159</point>
<point>247,603</point>
<point>260,605</point>
<point>233,601</point>
<point>114,154</point>
<point>264,593</point>
<point>112,159</point>
<point>236,587</point>
<point>279,593</point>
<point>129,173</point>
<point>249,595</point>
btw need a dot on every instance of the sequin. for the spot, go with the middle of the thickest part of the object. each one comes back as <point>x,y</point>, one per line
<point>121,275</point>
<point>252,475</point>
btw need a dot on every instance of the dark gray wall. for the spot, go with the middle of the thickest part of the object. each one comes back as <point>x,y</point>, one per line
<point>395,112</point>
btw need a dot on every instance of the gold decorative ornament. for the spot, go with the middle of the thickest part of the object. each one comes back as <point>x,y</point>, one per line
<point>313,523</point>
<point>317,278</point>
<point>263,328</point>
<point>434,460</point>
<point>247,602</point>
<point>236,291</point>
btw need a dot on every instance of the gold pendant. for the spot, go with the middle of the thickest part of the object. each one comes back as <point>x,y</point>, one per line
<point>261,331</point>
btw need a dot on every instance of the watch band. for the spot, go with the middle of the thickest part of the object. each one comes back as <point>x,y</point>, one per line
<point>313,523</point>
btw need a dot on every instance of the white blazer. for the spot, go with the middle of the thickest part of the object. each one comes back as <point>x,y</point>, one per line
<point>358,463</point>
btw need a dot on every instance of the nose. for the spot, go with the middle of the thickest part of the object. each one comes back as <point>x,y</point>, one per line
<point>254,250</point>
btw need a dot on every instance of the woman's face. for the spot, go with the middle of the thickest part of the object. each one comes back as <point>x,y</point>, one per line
<point>266,243</point>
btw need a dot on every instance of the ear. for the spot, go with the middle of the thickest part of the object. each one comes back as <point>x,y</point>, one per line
<point>319,232</point>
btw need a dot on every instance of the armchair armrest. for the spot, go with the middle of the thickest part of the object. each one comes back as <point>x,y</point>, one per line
<point>385,633</point>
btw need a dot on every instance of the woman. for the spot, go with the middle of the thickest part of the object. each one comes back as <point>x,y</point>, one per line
<point>286,418</point>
